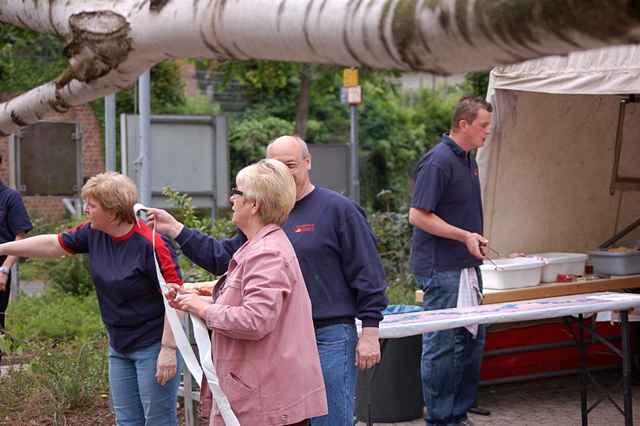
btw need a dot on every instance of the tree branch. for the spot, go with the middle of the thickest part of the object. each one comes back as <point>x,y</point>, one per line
<point>110,42</point>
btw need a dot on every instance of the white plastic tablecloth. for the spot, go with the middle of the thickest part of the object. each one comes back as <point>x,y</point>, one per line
<point>409,324</point>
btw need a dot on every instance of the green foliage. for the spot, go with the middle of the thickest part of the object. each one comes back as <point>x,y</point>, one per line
<point>476,83</point>
<point>53,316</point>
<point>395,131</point>
<point>27,58</point>
<point>182,208</point>
<point>393,233</point>
<point>183,211</point>
<point>196,105</point>
<point>249,136</point>
<point>69,274</point>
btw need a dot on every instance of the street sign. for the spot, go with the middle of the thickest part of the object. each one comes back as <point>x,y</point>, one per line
<point>351,95</point>
<point>350,77</point>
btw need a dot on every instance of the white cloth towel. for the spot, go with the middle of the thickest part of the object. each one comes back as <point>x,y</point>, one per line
<point>469,294</point>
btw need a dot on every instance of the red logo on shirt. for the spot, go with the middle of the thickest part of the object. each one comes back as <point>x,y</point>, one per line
<point>308,227</point>
<point>475,172</point>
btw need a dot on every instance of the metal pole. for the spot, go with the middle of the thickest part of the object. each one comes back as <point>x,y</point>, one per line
<point>144,101</point>
<point>110,132</point>
<point>355,172</point>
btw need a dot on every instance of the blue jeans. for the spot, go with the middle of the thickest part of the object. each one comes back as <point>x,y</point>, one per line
<point>337,348</point>
<point>450,358</point>
<point>138,400</point>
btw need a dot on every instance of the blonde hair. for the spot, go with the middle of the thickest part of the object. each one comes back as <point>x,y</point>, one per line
<point>270,184</point>
<point>114,192</point>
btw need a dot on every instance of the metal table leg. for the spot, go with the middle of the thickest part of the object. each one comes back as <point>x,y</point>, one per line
<point>626,368</point>
<point>583,371</point>
<point>383,344</point>
<point>586,377</point>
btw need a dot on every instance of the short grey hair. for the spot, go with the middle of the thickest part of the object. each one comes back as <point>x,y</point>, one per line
<point>270,184</point>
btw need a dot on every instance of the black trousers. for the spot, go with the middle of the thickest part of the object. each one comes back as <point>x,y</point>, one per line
<point>4,302</point>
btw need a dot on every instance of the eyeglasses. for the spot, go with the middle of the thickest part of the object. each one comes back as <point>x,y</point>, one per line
<point>236,191</point>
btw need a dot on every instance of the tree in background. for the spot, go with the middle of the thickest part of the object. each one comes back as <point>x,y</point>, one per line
<point>477,83</point>
<point>109,44</point>
<point>27,58</point>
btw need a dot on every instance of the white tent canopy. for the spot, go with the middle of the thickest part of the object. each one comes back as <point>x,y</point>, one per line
<point>546,170</point>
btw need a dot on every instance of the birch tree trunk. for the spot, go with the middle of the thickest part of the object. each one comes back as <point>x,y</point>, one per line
<point>111,42</point>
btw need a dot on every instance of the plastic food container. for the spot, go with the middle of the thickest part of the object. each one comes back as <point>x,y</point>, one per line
<point>613,263</point>
<point>561,263</point>
<point>511,273</point>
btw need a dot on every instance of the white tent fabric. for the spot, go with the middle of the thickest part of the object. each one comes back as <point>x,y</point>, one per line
<point>546,169</point>
<point>614,70</point>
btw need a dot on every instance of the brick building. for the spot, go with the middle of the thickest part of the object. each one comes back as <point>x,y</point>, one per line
<point>51,208</point>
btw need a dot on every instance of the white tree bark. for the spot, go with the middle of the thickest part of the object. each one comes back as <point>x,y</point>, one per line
<point>109,43</point>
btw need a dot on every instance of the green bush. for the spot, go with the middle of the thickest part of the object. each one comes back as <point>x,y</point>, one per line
<point>393,233</point>
<point>249,137</point>
<point>69,274</point>
<point>53,316</point>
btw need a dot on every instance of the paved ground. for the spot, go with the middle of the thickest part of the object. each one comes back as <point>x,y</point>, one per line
<point>544,402</point>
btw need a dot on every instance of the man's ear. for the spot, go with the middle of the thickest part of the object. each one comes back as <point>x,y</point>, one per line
<point>307,160</point>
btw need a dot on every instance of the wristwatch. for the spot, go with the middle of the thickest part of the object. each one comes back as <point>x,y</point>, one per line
<point>4,270</point>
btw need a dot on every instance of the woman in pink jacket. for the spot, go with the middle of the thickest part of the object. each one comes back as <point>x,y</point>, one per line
<point>264,349</point>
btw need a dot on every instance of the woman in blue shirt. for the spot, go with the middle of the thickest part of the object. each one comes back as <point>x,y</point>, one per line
<point>142,354</point>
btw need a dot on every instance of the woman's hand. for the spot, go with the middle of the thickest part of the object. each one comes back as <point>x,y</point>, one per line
<point>164,222</point>
<point>167,365</point>
<point>188,302</point>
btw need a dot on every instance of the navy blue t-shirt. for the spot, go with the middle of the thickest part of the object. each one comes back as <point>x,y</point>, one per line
<point>336,249</point>
<point>448,185</point>
<point>13,216</point>
<point>124,274</point>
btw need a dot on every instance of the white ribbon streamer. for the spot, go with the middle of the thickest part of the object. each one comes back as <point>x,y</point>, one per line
<point>203,341</point>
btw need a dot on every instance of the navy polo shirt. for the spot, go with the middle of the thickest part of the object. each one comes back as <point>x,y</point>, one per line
<point>124,274</point>
<point>448,185</point>
<point>13,216</point>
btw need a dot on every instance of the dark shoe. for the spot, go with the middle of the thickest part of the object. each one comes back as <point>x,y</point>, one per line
<point>479,411</point>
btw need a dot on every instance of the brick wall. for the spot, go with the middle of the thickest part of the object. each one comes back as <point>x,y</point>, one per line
<point>52,208</point>
<point>189,78</point>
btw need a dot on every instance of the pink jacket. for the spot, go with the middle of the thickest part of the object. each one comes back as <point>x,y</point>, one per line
<point>264,347</point>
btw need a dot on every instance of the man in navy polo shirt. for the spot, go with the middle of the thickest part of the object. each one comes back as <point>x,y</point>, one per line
<point>14,224</point>
<point>446,212</point>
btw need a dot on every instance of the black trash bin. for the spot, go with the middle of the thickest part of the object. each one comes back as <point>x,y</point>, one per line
<point>392,391</point>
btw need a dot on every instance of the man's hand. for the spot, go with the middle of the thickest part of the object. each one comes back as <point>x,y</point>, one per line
<point>3,281</point>
<point>368,348</point>
<point>164,222</point>
<point>167,365</point>
<point>473,242</point>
